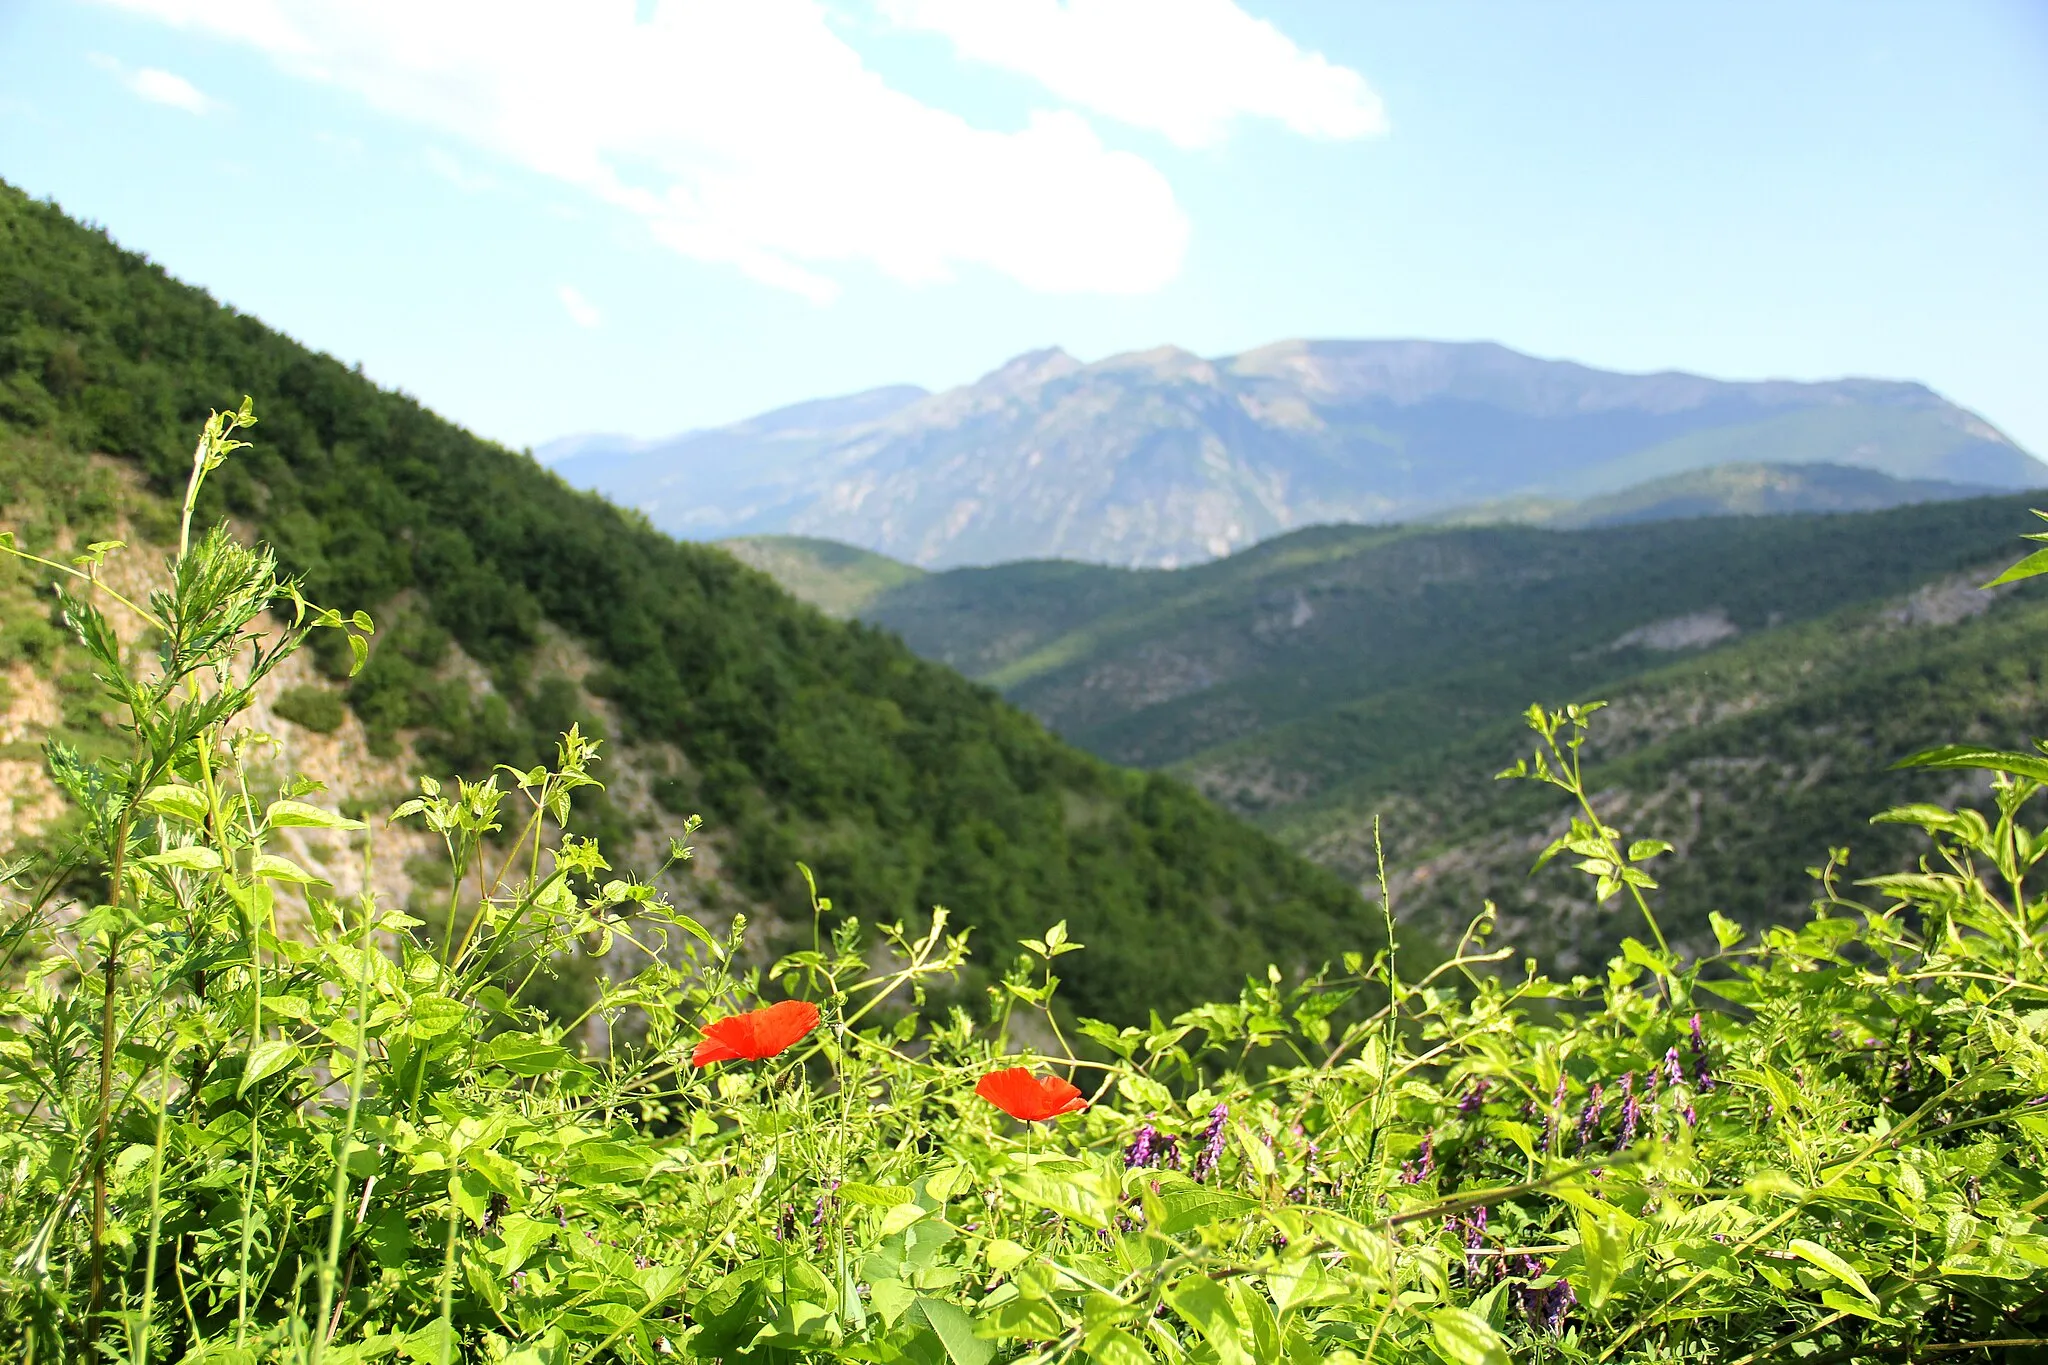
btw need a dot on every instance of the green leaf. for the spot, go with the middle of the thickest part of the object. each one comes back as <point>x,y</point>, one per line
<point>1976,756</point>
<point>300,815</point>
<point>1086,1196</point>
<point>1191,1208</point>
<point>891,1298</point>
<point>2031,566</point>
<point>955,1331</point>
<point>1464,1338</point>
<point>433,1015</point>
<point>192,858</point>
<point>1604,1251</point>
<point>1726,931</point>
<point>176,800</point>
<point>899,1217</point>
<point>265,1059</point>
<point>874,1196</point>
<point>610,1163</point>
<point>523,1056</point>
<point>1115,1346</point>
<point>283,870</point>
<point>1817,1255</point>
<point>1202,1302</point>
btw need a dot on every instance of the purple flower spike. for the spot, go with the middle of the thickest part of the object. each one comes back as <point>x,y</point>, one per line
<point>1557,1303</point>
<point>1673,1072</point>
<point>1589,1117</point>
<point>1475,1098</point>
<point>1631,1112</point>
<point>1144,1148</point>
<point>1212,1143</point>
<point>1701,1076</point>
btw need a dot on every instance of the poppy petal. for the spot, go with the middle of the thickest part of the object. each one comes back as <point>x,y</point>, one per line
<point>782,1025</point>
<point>1022,1095</point>
<point>756,1034</point>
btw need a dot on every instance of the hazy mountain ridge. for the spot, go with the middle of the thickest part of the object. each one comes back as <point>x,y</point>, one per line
<point>1163,457</point>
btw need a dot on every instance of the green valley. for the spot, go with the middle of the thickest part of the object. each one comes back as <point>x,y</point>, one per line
<point>1766,669</point>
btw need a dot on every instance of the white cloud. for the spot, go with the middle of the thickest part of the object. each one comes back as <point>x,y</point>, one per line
<point>1185,68</point>
<point>581,311</point>
<point>740,131</point>
<point>159,86</point>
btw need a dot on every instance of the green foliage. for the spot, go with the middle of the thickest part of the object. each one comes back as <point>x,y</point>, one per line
<point>242,1119</point>
<point>319,709</point>
<point>904,785</point>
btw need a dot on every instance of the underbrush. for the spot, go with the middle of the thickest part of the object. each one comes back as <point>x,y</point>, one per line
<point>248,1120</point>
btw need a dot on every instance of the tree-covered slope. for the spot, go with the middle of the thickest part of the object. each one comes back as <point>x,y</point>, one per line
<point>902,783</point>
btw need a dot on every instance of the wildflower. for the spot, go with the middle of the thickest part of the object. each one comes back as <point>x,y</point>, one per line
<point>1212,1142</point>
<point>1673,1072</point>
<point>1545,1308</point>
<point>1414,1173</point>
<point>1692,1120</point>
<point>1022,1095</point>
<point>757,1034</point>
<point>1475,1238</point>
<point>1701,1076</point>
<point>1557,1302</point>
<point>1475,1098</point>
<point>1589,1117</point>
<point>1631,1112</point>
<point>1144,1148</point>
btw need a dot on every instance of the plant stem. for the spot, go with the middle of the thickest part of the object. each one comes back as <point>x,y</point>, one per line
<point>322,1326</point>
<point>109,978</point>
<point>156,1214</point>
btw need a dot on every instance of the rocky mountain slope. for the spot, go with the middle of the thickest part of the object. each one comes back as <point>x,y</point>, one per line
<point>1162,457</point>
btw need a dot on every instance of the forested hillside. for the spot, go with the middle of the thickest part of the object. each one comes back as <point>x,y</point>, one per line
<point>902,784</point>
<point>1767,670</point>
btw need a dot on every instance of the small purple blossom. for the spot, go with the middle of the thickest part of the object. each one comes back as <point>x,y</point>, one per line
<point>1702,1077</point>
<point>1545,1308</point>
<point>1419,1170</point>
<point>1589,1117</point>
<point>1144,1149</point>
<point>1557,1303</point>
<point>1212,1143</point>
<point>1631,1112</point>
<point>1475,1238</point>
<point>1475,1098</point>
<point>1673,1072</point>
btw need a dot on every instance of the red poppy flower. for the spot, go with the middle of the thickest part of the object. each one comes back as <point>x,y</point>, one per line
<point>1022,1095</point>
<point>756,1034</point>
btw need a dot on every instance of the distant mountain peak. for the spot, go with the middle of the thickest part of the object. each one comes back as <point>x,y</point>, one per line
<point>1161,456</point>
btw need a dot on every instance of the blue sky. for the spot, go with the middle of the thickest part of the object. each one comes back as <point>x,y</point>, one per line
<point>644,215</point>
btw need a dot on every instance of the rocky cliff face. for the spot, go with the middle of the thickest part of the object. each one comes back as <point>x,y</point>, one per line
<point>1163,458</point>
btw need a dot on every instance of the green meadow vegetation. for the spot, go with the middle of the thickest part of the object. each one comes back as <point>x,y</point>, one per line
<point>243,1119</point>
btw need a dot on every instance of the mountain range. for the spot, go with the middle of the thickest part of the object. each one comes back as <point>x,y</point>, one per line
<point>1162,457</point>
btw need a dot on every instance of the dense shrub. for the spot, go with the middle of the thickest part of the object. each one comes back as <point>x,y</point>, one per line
<point>319,709</point>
